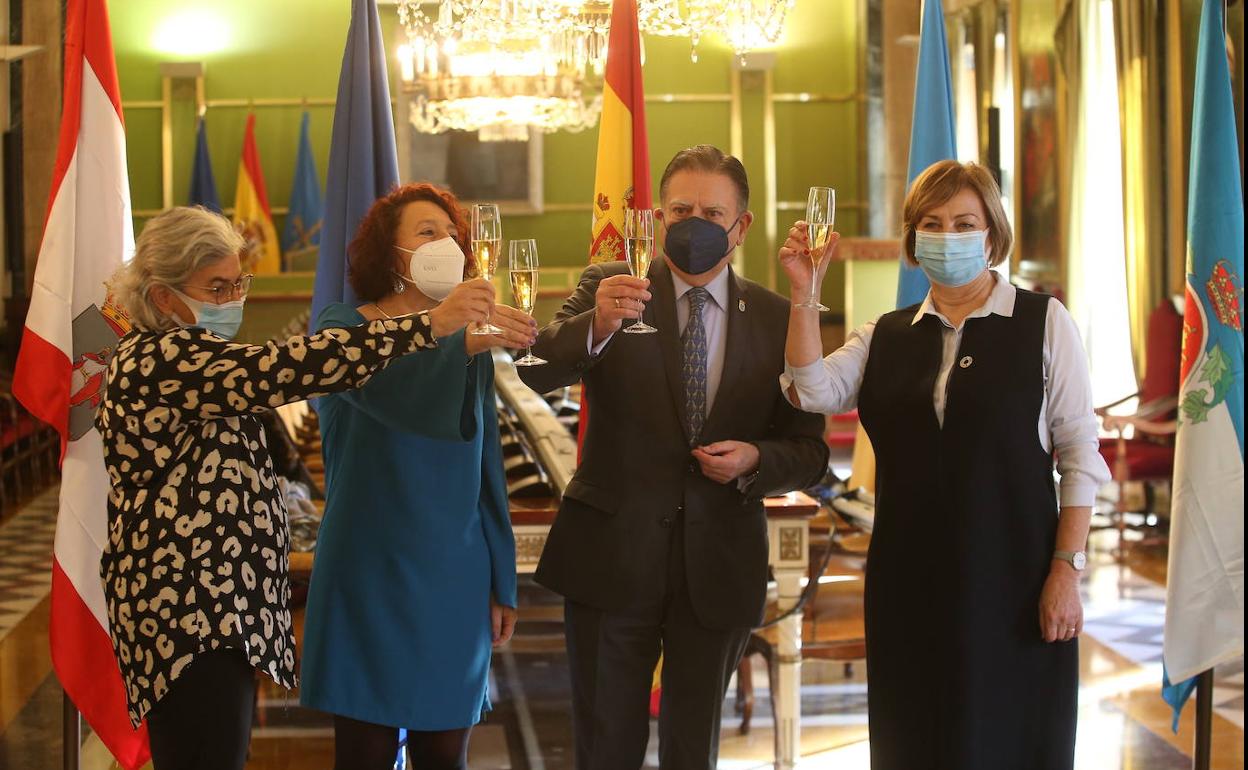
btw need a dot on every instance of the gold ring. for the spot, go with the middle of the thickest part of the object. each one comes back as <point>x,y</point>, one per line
<point>617,302</point>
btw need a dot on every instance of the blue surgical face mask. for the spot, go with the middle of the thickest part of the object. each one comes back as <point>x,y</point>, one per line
<point>951,259</point>
<point>695,245</point>
<point>222,320</point>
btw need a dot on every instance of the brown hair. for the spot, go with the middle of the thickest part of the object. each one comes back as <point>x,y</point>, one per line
<point>706,157</point>
<point>941,181</point>
<point>371,265</point>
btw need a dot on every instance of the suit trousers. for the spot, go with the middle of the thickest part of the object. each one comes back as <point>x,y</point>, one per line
<point>612,655</point>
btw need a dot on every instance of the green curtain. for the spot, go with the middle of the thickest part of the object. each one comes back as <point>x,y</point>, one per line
<point>1139,44</point>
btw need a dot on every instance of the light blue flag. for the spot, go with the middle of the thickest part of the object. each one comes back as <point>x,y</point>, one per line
<point>203,184</point>
<point>932,135</point>
<point>302,233</point>
<point>1205,585</point>
<point>363,164</point>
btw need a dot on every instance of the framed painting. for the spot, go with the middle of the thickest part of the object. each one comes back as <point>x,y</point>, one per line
<point>508,173</point>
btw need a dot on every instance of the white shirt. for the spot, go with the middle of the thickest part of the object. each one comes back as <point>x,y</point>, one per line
<point>1067,422</point>
<point>714,319</point>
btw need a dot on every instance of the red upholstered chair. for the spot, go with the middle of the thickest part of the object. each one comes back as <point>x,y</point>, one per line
<point>29,455</point>
<point>1143,464</point>
<point>841,430</point>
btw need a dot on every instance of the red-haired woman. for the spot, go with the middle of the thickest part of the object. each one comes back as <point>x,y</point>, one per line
<point>415,574</point>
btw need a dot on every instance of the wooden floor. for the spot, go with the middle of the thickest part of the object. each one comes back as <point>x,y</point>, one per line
<point>1123,723</point>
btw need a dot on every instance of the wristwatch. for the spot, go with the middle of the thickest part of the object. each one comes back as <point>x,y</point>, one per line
<point>1076,559</point>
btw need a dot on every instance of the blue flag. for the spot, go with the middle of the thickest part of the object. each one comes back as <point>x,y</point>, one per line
<point>302,233</point>
<point>363,164</point>
<point>203,184</point>
<point>932,135</point>
<point>1205,585</point>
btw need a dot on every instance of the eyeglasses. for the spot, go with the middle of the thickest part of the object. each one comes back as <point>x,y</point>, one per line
<point>230,291</point>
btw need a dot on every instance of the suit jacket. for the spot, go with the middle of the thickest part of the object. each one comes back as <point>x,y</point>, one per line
<point>637,479</point>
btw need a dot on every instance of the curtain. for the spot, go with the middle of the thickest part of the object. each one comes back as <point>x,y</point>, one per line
<point>984,30</point>
<point>1140,58</point>
<point>1096,270</point>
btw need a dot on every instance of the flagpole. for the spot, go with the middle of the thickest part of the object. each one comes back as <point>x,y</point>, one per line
<point>71,734</point>
<point>1204,719</point>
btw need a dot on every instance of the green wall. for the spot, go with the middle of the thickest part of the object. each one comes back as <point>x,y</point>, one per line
<point>293,49</point>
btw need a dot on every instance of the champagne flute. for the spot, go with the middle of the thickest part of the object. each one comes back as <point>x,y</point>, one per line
<point>639,248</point>
<point>522,265</point>
<point>820,215</point>
<point>487,241</point>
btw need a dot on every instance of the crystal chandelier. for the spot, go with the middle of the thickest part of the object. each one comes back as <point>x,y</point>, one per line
<point>502,66</point>
<point>744,24</point>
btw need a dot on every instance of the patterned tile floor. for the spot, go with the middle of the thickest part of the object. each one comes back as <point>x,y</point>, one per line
<point>26,559</point>
<point>1127,612</point>
<point>1122,722</point>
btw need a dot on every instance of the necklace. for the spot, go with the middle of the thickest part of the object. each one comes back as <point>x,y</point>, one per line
<point>379,310</point>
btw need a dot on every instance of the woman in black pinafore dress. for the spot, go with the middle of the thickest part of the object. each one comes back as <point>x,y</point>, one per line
<point>972,598</point>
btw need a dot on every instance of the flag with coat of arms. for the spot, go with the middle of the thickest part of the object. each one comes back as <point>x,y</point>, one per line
<point>1205,581</point>
<point>71,331</point>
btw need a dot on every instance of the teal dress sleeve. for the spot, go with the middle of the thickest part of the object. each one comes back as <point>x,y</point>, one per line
<point>412,393</point>
<point>495,512</point>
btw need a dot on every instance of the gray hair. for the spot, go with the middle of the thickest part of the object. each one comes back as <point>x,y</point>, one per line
<point>172,246</point>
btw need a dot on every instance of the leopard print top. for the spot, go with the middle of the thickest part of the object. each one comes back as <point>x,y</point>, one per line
<point>197,552</point>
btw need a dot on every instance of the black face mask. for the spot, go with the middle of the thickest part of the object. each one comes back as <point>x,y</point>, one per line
<point>696,245</point>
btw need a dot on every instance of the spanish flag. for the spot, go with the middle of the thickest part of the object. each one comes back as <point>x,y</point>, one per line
<point>622,178</point>
<point>622,175</point>
<point>251,210</point>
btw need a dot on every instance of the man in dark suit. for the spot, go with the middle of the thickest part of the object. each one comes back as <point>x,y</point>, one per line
<point>661,539</point>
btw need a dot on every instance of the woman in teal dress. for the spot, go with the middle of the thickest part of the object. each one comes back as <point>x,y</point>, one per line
<point>415,573</point>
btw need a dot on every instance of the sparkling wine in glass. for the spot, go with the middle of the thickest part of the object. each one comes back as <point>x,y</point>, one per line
<point>522,267</point>
<point>487,241</point>
<point>639,249</point>
<point>820,217</point>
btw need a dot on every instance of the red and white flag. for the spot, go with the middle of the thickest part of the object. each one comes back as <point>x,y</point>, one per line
<point>71,332</point>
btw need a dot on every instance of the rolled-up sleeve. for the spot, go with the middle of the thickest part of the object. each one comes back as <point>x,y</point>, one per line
<point>831,384</point>
<point>1070,413</point>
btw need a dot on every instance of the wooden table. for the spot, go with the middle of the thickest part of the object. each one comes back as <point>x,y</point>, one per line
<point>788,533</point>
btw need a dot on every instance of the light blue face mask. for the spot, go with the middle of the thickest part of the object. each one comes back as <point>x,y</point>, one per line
<point>951,259</point>
<point>222,320</point>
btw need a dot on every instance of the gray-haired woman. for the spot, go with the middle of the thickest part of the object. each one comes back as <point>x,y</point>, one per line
<point>195,570</point>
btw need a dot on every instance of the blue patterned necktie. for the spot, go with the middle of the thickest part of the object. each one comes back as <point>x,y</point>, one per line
<point>693,368</point>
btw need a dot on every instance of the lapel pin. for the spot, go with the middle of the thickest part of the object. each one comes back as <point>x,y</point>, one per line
<point>741,305</point>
